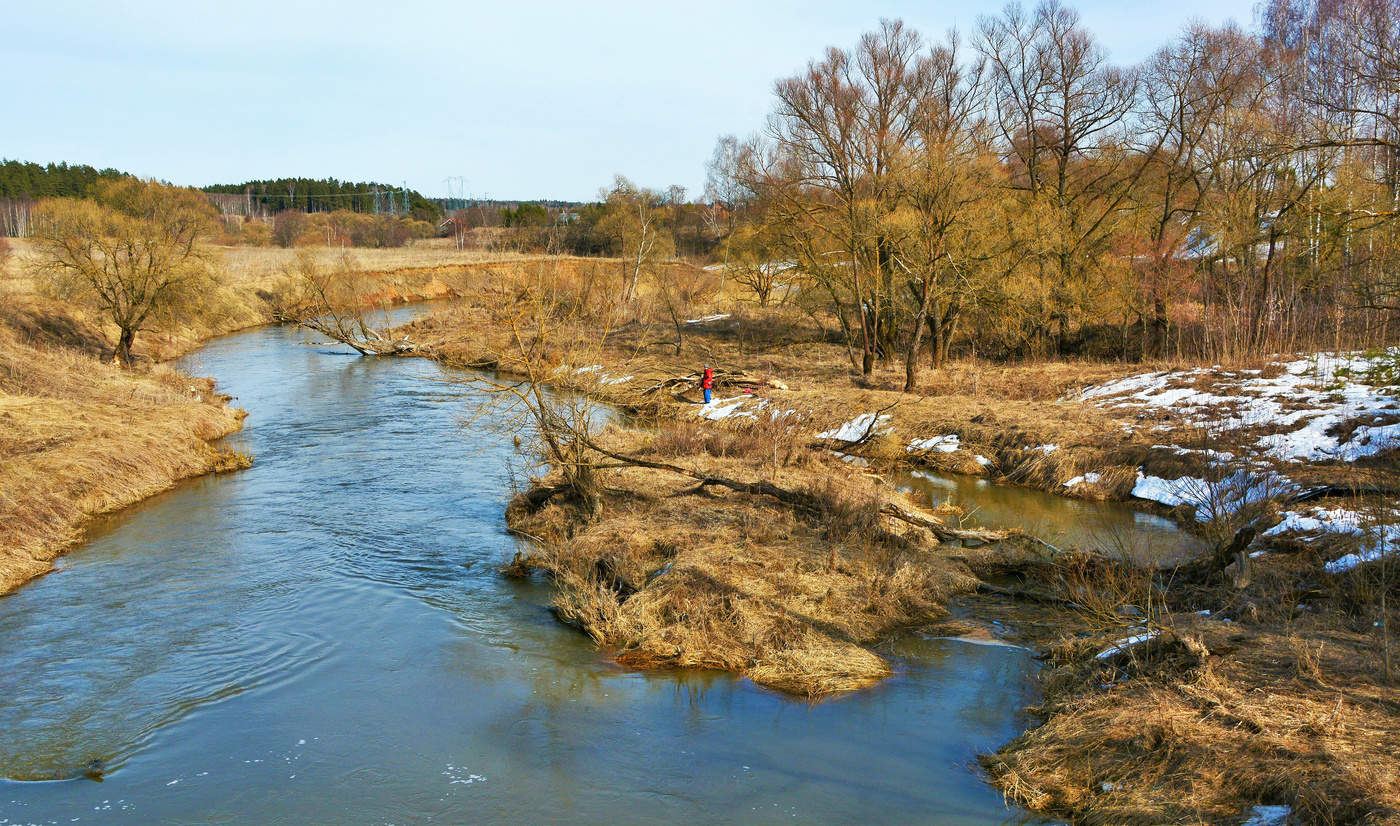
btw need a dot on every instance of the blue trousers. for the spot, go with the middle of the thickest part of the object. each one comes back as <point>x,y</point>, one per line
<point>707,395</point>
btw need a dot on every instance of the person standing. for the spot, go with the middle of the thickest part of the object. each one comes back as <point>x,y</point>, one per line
<point>707,382</point>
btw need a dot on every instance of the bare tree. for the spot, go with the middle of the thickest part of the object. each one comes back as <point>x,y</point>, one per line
<point>135,252</point>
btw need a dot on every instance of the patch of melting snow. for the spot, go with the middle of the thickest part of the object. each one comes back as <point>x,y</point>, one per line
<point>855,429</point>
<point>1086,479</point>
<point>1304,397</point>
<point>1124,644</point>
<point>706,319</point>
<point>618,380</point>
<point>981,460</point>
<point>1377,540</point>
<point>724,408</point>
<point>1268,816</point>
<point>1212,499</point>
<point>942,444</point>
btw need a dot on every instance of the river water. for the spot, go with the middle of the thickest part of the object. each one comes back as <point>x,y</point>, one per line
<point>324,638</point>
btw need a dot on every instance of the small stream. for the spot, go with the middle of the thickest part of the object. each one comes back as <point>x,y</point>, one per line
<point>324,638</point>
<point>1112,528</point>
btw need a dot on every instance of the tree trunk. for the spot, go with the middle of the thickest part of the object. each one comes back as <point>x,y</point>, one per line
<point>911,356</point>
<point>122,356</point>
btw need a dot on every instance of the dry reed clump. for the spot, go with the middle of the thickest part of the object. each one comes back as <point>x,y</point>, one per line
<point>79,438</point>
<point>1168,733</point>
<point>670,576</point>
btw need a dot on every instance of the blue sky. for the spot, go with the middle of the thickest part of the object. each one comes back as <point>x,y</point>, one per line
<point>523,100</point>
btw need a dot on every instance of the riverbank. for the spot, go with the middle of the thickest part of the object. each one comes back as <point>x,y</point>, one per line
<point>80,437</point>
<point>1181,690</point>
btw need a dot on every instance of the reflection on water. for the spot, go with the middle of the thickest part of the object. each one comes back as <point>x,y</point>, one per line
<point>1109,527</point>
<point>324,638</point>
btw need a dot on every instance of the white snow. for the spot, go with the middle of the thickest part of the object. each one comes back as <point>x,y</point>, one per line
<point>706,319</point>
<point>589,369</point>
<point>618,380</point>
<point>1268,816</point>
<point>724,408</point>
<point>1310,397</point>
<point>1088,478</point>
<point>1124,644</point>
<point>855,429</point>
<point>981,460</point>
<point>1212,500</point>
<point>942,444</point>
<point>1046,449</point>
<point>1377,540</point>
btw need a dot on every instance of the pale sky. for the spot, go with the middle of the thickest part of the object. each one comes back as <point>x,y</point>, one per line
<point>523,100</point>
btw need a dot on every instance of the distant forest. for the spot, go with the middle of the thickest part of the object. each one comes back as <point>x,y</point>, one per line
<point>24,180</point>
<point>328,195</point>
<point>31,181</point>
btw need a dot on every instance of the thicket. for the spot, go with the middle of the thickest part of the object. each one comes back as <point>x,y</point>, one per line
<point>1018,195</point>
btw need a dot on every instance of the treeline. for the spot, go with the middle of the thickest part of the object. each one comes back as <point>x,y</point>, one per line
<point>592,229</point>
<point>23,180</point>
<point>1017,195</point>
<point>22,183</point>
<point>310,195</point>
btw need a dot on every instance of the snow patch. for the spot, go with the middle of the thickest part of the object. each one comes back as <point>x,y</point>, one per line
<point>724,408</point>
<point>1212,500</point>
<point>1124,644</point>
<point>942,444</point>
<point>1086,479</point>
<point>1268,816</point>
<point>1312,397</point>
<point>855,429</point>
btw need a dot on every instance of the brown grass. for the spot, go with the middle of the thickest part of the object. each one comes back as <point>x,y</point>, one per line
<point>80,438</point>
<point>1171,736</point>
<point>672,577</point>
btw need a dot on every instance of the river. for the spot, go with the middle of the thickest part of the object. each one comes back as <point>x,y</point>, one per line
<point>325,638</point>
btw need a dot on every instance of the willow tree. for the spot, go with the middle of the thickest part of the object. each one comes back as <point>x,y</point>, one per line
<point>134,252</point>
<point>838,132</point>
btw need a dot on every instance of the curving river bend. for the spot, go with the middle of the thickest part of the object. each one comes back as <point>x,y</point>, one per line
<point>324,638</point>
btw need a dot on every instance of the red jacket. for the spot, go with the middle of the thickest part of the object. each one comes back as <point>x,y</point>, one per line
<point>708,380</point>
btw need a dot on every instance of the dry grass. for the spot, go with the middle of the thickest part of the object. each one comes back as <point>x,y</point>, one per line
<point>672,577</point>
<point>80,438</point>
<point>1170,736</point>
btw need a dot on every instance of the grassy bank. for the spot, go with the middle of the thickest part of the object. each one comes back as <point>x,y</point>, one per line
<point>79,437</point>
<point>1185,691</point>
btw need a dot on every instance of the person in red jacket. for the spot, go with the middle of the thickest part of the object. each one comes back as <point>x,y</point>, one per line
<point>707,382</point>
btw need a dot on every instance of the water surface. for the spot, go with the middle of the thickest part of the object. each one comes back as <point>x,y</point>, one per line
<point>324,638</point>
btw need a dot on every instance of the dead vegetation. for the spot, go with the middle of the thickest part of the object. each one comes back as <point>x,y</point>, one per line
<point>80,438</point>
<point>675,573</point>
<point>1275,697</point>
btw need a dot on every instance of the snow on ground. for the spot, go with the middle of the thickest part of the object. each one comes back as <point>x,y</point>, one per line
<point>726,408</point>
<point>855,429</point>
<point>618,380</point>
<point>1124,644</point>
<point>706,319</point>
<point>1212,500</point>
<point>1310,397</point>
<point>1268,816</point>
<point>1376,540</point>
<point>942,444</point>
<point>1088,478</point>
